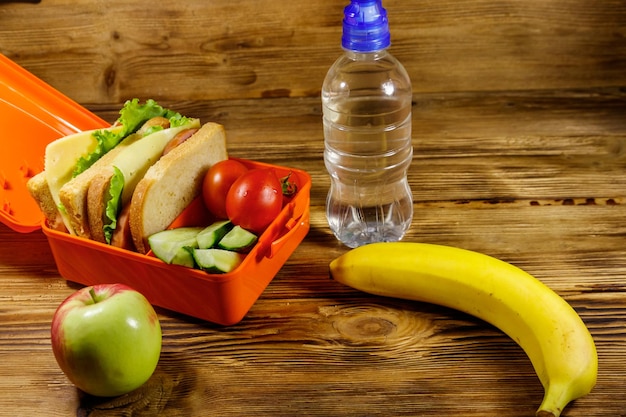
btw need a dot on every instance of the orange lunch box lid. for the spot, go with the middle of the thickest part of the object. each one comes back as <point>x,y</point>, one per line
<point>32,114</point>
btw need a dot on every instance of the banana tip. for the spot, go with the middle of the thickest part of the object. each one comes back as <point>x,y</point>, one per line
<point>544,413</point>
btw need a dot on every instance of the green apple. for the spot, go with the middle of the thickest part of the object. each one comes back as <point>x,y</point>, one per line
<point>106,339</point>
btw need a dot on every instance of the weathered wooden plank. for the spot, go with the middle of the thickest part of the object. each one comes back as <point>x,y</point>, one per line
<point>557,145</point>
<point>519,136</point>
<point>205,50</point>
<point>345,355</point>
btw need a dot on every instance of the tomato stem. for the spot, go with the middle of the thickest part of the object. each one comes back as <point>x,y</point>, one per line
<point>289,188</point>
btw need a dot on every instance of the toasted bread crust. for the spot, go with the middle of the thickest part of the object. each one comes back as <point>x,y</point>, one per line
<point>173,182</point>
<point>96,200</point>
<point>38,188</point>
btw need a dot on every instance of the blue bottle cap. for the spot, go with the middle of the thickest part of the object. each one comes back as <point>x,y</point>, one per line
<point>365,26</point>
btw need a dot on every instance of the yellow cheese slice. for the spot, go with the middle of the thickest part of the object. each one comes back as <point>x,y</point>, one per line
<point>141,154</point>
<point>60,160</point>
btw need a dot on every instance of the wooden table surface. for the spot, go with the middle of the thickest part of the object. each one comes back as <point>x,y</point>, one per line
<point>536,179</point>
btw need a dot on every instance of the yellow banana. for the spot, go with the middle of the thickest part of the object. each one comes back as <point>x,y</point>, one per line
<point>553,336</point>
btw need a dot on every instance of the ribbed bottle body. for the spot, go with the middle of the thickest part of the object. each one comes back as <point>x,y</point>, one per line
<point>366,101</point>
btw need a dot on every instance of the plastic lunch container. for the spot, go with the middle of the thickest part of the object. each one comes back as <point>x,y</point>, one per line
<point>32,114</point>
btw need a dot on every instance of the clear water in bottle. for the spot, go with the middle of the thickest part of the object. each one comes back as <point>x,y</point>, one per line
<point>366,101</point>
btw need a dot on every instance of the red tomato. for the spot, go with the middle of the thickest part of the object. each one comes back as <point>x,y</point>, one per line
<point>216,183</point>
<point>255,199</point>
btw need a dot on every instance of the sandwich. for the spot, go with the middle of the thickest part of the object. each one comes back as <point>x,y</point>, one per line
<point>68,157</point>
<point>119,185</point>
<point>64,159</point>
<point>135,197</point>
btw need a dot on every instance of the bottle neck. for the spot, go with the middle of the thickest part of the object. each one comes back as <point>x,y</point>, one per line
<point>366,56</point>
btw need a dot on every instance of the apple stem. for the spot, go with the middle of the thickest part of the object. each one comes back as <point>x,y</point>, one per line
<point>93,295</point>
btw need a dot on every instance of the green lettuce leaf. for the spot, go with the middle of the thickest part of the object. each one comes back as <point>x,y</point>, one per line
<point>177,120</point>
<point>106,140</point>
<point>132,116</point>
<point>114,205</point>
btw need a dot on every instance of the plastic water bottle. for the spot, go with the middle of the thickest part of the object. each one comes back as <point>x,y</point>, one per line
<point>366,101</point>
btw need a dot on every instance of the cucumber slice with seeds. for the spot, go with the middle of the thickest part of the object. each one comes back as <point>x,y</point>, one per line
<point>217,261</point>
<point>166,245</point>
<point>208,237</point>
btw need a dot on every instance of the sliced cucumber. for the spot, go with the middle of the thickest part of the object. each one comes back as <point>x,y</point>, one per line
<point>217,260</point>
<point>184,257</point>
<point>167,245</point>
<point>212,234</point>
<point>238,240</point>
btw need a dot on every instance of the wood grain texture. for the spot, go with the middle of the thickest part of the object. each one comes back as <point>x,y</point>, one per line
<point>536,179</point>
<point>520,152</point>
<point>107,52</point>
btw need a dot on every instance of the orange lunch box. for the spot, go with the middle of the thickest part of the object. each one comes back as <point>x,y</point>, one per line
<point>32,114</point>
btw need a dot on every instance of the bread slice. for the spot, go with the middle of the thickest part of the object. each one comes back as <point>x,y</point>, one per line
<point>38,188</point>
<point>97,197</point>
<point>170,185</point>
<point>73,195</point>
<point>132,162</point>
